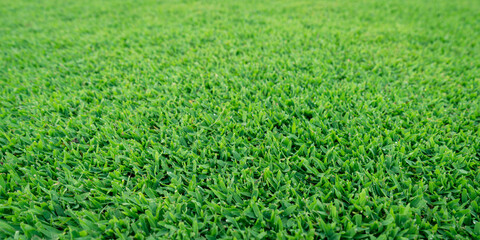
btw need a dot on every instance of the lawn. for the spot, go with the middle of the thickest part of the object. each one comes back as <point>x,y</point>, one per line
<point>270,119</point>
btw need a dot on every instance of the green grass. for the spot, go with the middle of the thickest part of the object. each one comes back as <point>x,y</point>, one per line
<point>240,119</point>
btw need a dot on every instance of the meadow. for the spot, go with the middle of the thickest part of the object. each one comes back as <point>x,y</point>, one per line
<point>269,119</point>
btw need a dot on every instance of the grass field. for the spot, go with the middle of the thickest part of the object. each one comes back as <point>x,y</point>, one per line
<point>240,119</point>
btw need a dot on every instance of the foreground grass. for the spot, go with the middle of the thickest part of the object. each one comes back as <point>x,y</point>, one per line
<point>213,119</point>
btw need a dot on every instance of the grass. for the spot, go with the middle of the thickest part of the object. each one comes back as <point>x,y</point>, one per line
<point>240,119</point>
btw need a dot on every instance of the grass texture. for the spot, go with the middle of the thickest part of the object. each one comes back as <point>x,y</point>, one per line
<point>240,119</point>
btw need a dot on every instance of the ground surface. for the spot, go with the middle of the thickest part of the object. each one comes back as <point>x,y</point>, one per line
<point>246,119</point>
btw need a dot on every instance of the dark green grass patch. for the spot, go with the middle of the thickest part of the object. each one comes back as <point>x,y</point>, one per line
<point>240,119</point>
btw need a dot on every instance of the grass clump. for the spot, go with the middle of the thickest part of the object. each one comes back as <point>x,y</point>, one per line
<point>247,120</point>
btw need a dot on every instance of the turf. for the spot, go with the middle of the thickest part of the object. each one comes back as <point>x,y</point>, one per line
<point>240,119</point>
